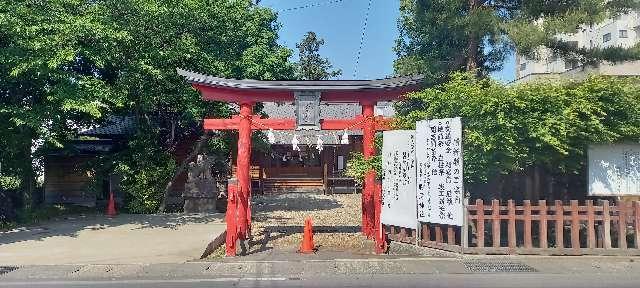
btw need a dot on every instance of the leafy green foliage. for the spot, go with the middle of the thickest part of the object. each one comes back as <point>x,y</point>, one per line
<point>9,183</point>
<point>312,66</point>
<point>441,36</point>
<point>50,52</point>
<point>68,63</point>
<point>508,128</point>
<point>358,166</point>
<point>145,169</point>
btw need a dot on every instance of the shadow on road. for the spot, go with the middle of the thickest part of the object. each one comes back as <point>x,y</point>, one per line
<point>71,226</point>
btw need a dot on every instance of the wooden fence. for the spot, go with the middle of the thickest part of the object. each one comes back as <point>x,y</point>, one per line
<point>558,229</point>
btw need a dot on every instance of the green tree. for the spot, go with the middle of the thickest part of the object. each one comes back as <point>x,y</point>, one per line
<point>50,54</point>
<point>312,66</point>
<point>233,39</point>
<point>509,128</point>
<point>441,36</point>
<point>64,63</point>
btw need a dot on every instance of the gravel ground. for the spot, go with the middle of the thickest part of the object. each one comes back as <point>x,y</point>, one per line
<point>279,221</point>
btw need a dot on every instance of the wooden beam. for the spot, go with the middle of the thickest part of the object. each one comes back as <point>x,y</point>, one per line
<point>232,95</point>
<point>275,124</point>
<point>382,124</point>
<point>341,124</point>
<point>221,124</point>
<point>369,95</point>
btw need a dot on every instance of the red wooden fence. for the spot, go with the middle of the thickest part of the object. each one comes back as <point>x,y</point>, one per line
<point>557,229</point>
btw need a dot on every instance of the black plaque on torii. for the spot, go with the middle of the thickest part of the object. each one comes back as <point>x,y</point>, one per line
<point>307,105</point>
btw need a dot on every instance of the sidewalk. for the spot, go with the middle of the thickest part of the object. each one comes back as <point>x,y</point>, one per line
<point>125,239</point>
<point>299,269</point>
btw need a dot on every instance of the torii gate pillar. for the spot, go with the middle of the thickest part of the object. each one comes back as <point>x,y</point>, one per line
<point>243,170</point>
<point>368,150</point>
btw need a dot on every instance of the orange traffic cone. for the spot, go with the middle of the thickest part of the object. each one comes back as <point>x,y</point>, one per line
<point>111,206</point>
<point>307,239</point>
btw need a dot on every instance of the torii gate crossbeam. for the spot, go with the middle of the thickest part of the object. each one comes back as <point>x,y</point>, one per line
<point>247,92</point>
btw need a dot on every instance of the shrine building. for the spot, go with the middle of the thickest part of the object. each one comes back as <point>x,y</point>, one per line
<point>309,169</point>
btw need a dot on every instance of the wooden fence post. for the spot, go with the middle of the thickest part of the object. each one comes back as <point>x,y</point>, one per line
<point>511,229</point>
<point>451,235</point>
<point>575,226</point>
<point>495,224</point>
<point>392,232</point>
<point>464,230</point>
<point>426,232</point>
<point>543,223</point>
<point>419,234</point>
<point>622,225</point>
<point>636,213</point>
<point>480,222</point>
<point>527,225</point>
<point>438,233</point>
<point>606,222</point>
<point>559,217</point>
<point>591,223</point>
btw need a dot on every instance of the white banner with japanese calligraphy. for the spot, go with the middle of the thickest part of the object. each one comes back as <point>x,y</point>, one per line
<point>439,179</point>
<point>614,169</point>
<point>399,179</point>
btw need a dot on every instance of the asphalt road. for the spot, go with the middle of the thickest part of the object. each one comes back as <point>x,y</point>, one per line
<point>521,280</point>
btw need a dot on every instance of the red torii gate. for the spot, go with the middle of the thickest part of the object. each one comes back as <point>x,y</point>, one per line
<point>248,92</point>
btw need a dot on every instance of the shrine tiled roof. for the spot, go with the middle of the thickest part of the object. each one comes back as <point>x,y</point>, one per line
<point>327,111</point>
<point>113,126</point>
<point>301,85</point>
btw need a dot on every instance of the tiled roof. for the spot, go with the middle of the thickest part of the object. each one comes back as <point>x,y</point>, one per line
<point>300,85</point>
<point>113,126</point>
<point>327,111</point>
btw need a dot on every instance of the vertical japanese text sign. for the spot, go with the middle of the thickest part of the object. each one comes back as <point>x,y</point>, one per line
<point>399,179</point>
<point>439,181</point>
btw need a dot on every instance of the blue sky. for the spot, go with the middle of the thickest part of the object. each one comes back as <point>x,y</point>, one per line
<point>340,23</point>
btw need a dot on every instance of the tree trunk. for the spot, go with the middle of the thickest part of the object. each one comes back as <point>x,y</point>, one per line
<point>28,174</point>
<point>474,42</point>
<point>203,139</point>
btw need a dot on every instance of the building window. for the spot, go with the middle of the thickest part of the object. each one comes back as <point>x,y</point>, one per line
<point>523,66</point>
<point>606,37</point>
<point>624,34</point>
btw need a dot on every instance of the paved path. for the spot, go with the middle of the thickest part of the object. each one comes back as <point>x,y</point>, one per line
<point>485,271</point>
<point>391,281</point>
<point>125,239</point>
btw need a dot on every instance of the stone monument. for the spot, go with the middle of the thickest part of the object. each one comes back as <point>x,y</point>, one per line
<point>200,192</point>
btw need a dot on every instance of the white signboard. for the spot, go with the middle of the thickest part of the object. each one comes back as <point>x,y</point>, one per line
<point>399,179</point>
<point>614,170</point>
<point>439,171</point>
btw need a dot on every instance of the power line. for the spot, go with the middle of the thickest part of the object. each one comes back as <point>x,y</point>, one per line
<point>310,5</point>
<point>364,31</point>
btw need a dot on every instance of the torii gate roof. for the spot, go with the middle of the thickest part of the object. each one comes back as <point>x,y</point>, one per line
<point>232,90</point>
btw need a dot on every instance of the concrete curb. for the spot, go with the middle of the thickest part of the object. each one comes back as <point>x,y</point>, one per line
<point>214,244</point>
<point>411,250</point>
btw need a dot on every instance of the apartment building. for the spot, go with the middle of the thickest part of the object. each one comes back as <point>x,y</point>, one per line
<point>623,31</point>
